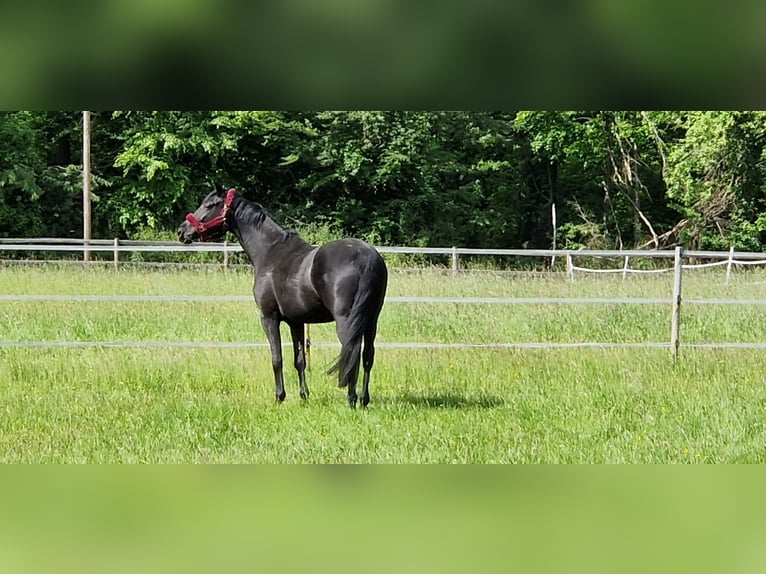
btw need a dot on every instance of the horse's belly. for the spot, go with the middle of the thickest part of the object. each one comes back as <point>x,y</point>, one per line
<point>317,315</point>
<point>303,307</point>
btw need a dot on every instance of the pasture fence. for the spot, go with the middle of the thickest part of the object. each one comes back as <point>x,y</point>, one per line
<point>681,260</point>
<point>118,246</point>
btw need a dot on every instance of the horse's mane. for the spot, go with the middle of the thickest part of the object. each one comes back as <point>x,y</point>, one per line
<point>254,214</point>
<point>251,213</point>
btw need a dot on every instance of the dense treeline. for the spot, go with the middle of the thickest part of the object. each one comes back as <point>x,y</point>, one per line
<point>473,179</point>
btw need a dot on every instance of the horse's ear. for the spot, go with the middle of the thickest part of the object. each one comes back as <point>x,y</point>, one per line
<point>219,189</point>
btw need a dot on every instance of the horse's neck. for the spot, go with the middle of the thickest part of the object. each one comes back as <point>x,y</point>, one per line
<point>262,241</point>
<point>257,244</point>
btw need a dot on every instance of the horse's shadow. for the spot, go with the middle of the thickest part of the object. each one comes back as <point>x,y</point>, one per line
<point>452,401</point>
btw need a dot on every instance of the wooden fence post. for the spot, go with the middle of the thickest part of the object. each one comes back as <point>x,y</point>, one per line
<point>86,184</point>
<point>675,325</point>
<point>570,267</point>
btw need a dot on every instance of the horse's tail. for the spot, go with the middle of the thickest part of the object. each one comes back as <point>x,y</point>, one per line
<point>347,363</point>
<point>363,315</point>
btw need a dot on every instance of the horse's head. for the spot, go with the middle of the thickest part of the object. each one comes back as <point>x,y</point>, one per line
<point>208,222</point>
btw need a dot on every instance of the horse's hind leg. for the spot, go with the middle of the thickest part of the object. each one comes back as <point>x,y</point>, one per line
<point>368,358</point>
<point>271,327</point>
<point>299,351</point>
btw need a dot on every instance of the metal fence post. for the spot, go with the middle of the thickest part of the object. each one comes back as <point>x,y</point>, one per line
<point>728,265</point>
<point>675,325</point>
<point>116,253</point>
<point>225,254</point>
<point>625,267</point>
<point>570,267</point>
<point>454,260</point>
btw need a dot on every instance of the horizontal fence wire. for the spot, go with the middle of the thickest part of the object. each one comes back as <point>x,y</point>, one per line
<point>411,300</point>
<point>379,345</point>
<point>621,270</point>
<point>686,266</point>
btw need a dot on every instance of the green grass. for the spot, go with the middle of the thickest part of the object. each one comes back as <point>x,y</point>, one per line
<point>441,406</point>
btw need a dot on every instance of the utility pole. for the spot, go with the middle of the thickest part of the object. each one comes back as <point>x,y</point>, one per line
<point>86,185</point>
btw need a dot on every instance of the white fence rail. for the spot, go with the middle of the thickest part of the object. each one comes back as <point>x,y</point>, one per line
<point>125,245</point>
<point>678,257</point>
<point>119,246</point>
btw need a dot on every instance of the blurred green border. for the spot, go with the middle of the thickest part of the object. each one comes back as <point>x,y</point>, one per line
<point>382,519</point>
<point>341,54</point>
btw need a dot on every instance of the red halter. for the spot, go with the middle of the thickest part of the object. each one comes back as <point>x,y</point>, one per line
<point>203,228</point>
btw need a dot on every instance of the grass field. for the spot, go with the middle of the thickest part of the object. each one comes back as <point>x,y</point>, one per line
<point>428,405</point>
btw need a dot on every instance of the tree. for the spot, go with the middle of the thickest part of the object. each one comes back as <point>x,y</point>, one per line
<point>38,179</point>
<point>715,179</point>
<point>469,178</point>
<point>430,178</point>
<point>602,169</point>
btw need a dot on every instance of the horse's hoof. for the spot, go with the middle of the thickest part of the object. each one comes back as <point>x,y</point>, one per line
<point>305,396</point>
<point>281,397</point>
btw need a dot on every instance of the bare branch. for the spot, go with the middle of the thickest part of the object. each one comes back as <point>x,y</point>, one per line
<point>658,140</point>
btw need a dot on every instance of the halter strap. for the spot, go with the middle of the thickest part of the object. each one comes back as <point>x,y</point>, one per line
<point>204,228</point>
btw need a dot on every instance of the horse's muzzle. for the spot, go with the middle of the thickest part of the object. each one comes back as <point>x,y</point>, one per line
<point>185,233</point>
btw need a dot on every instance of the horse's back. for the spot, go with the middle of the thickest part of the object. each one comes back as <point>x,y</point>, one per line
<point>344,266</point>
<point>346,254</point>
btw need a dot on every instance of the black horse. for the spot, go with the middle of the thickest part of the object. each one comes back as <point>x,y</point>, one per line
<point>295,282</point>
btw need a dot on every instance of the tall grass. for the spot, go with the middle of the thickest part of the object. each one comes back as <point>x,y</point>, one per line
<point>428,405</point>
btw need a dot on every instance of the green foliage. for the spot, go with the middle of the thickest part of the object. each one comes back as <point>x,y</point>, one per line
<point>164,153</point>
<point>715,177</point>
<point>416,177</point>
<point>606,170</point>
<point>424,178</point>
<point>40,182</point>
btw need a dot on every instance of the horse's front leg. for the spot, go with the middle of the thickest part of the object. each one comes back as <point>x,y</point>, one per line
<point>271,327</point>
<point>298,332</point>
